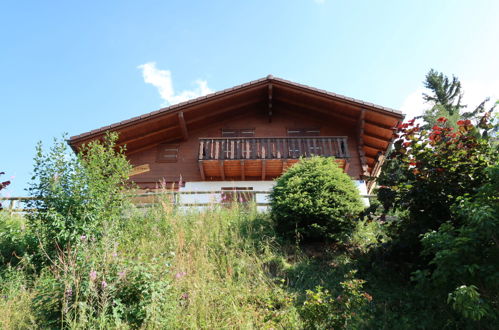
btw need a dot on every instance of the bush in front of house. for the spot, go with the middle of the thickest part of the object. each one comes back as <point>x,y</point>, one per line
<point>315,200</point>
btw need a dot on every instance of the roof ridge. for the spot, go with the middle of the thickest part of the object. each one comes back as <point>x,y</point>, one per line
<point>268,78</point>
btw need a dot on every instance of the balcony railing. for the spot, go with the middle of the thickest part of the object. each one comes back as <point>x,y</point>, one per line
<point>272,148</point>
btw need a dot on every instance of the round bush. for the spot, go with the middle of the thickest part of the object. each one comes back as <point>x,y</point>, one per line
<point>315,200</point>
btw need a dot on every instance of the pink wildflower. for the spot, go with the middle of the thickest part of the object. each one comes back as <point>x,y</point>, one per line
<point>180,275</point>
<point>93,275</point>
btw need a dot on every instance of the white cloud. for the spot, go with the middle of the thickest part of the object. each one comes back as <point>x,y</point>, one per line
<point>162,80</point>
<point>474,93</point>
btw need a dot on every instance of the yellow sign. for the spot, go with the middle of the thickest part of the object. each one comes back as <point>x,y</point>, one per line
<point>140,169</point>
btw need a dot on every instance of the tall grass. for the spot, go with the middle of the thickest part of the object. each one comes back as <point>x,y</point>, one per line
<point>184,269</point>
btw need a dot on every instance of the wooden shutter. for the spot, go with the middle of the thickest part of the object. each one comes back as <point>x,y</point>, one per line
<point>304,132</point>
<point>238,132</point>
<point>167,153</point>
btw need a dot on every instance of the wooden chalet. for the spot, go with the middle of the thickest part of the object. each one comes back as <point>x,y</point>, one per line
<point>246,136</point>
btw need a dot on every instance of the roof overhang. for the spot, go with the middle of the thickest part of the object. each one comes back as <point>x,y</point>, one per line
<point>374,123</point>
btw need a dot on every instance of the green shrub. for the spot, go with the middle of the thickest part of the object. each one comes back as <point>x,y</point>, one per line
<point>347,309</point>
<point>13,239</point>
<point>315,200</point>
<point>464,264</point>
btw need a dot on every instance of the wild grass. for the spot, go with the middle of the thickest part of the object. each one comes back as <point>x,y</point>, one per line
<point>221,268</point>
<point>214,270</point>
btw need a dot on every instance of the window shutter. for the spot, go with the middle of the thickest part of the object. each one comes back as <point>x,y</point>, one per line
<point>167,153</point>
<point>304,132</point>
<point>238,132</point>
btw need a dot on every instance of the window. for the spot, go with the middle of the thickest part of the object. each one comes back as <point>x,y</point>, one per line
<point>238,132</point>
<point>304,132</point>
<point>237,194</point>
<point>167,153</point>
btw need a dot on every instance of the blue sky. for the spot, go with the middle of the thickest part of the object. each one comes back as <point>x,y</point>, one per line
<point>68,66</point>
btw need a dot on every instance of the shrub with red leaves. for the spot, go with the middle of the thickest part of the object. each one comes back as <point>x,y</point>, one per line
<point>428,170</point>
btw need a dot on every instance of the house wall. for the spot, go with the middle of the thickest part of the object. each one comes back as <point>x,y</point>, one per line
<point>258,186</point>
<point>187,168</point>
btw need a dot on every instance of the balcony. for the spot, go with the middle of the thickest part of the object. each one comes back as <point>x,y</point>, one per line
<point>264,158</point>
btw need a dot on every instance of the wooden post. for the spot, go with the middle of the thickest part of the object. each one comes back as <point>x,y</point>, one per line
<point>222,170</point>
<point>183,126</point>
<point>360,133</point>
<point>201,170</point>
<point>270,92</point>
<point>243,177</point>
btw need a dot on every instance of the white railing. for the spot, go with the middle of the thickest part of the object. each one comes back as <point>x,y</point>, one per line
<point>176,198</point>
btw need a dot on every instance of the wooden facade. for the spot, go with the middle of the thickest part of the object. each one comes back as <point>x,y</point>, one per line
<point>252,132</point>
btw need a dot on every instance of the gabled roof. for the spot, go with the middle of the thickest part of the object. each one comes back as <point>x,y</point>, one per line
<point>173,122</point>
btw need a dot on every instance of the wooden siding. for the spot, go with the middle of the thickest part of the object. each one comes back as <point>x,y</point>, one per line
<point>187,166</point>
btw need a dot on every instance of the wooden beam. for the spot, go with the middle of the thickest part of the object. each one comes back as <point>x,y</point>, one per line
<point>319,118</point>
<point>222,110</point>
<point>374,146</point>
<point>264,169</point>
<point>328,98</point>
<point>347,166</point>
<point>201,170</point>
<point>183,126</point>
<point>318,109</point>
<point>243,177</point>
<point>360,142</point>
<point>145,136</point>
<point>328,110</point>
<point>222,170</point>
<point>378,137</point>
<point>270,102</point>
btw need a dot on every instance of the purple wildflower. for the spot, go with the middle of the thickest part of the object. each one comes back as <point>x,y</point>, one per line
<point>69,293</point>
<point>180,275</point>
<point>93,275</point>
<point>122,274</point>
<point>83,238</point>
<point>104,284</point>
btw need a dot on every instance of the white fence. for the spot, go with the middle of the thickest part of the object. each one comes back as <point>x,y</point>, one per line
<point>183,199</point>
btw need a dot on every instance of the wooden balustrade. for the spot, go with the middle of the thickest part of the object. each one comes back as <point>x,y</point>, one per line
<point>272,148</point>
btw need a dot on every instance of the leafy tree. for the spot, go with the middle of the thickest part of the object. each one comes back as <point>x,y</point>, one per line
<point>77,195</point>
<point>315,200</point>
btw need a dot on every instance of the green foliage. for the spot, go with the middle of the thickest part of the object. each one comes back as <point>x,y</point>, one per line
<point>315,200</point>
<point>445,97</point>
<point>466,300</point>
<point>96,287</point>
<point>77,195</point>
<point>14,241</point>
<point>433,169</point>
<point>466,252</point>
<point>3,185</point>
<point>345,309</point>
